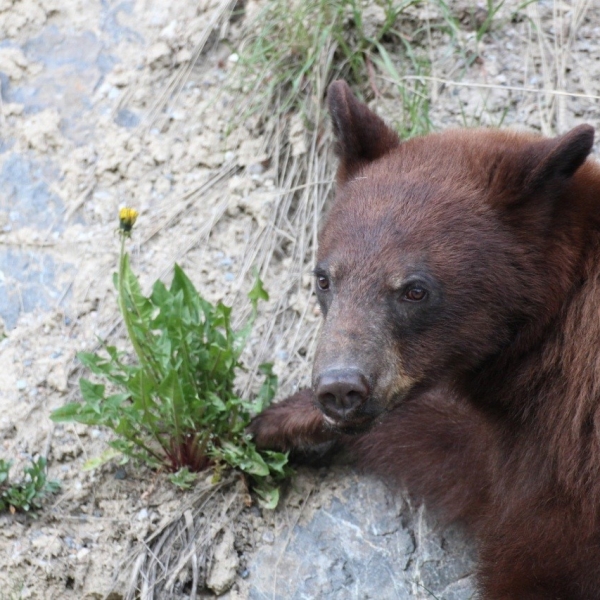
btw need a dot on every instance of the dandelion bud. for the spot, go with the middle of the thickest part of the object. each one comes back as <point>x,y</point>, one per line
<point>127,218</point>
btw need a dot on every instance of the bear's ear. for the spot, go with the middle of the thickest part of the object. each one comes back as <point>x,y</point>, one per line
<point>528,183</point>
<point>552,162</point>
<point>361,135</point>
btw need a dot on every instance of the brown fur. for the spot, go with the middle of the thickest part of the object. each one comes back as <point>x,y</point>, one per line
<point>483,399</point>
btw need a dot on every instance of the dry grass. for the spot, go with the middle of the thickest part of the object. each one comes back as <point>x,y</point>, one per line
<point>181,551</point>
<point>554,50</point>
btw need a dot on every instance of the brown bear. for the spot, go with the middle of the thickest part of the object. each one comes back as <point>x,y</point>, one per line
<point>458,275</point>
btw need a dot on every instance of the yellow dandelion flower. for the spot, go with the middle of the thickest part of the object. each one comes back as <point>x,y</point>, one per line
<point>127,218</point>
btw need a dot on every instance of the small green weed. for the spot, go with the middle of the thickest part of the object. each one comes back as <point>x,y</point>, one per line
<point>175,407</point>
<point>492,8</point>
<point>13,591</point>
<point>28,493</point>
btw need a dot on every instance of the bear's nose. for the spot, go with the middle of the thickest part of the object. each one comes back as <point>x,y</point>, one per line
<point>341,392</point>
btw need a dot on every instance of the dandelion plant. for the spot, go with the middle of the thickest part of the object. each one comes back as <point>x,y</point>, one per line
<point>172,402</point>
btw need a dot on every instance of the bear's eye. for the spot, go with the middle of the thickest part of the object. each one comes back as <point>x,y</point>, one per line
<point>322,283</point>
<point>415,294</point>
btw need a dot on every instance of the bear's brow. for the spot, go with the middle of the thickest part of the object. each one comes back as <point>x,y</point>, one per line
<point>412,274</point>
<point>329,269</point>
<point>396,282</point>
<point>333,269</point>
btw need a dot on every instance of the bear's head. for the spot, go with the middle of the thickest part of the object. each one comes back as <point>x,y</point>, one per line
<point>438,254</point>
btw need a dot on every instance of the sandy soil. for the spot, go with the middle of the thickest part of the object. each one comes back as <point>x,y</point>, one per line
<point>93,116</point>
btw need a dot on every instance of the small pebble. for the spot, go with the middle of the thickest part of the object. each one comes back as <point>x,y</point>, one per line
<point>82,553</point>
<point>255,169</point>
<point>70,542</point>
<point>268,537</point>
<point>21,384</point>
<point>120,474</point>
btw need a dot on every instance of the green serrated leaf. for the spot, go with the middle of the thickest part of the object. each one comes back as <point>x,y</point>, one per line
<point>268,497</point>
<point>195,304</point>
<point>66,413</point>
<point>106,456</point>
<point>93,393</point>
<point>170,391</point>
<point>216,401</point>
<point>267,390</point>
<point>245,458</point>
<point>278,462</point>
<point>183,478</point>
<point>160,295</point>
<point>137,303</point>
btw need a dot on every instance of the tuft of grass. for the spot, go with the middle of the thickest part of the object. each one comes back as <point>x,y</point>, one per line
<point>293,50</point>
<point>175,406</point>
<point>28,493</point>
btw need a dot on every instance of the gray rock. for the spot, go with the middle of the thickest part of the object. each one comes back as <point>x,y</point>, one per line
<point>224,566</point>
<point>25,196</point>
<point>30,280</point>
<point>72,70</point>
<point>368,543</point>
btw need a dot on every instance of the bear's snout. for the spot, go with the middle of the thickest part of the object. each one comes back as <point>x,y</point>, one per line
<point>341,393</point>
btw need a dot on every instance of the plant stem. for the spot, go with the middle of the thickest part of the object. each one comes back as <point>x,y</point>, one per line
<point>122,291</point>
<point>232,421</point>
